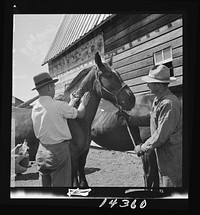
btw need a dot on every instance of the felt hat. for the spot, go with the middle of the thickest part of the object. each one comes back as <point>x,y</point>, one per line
<point>159,74</point>
<point>42,79</point>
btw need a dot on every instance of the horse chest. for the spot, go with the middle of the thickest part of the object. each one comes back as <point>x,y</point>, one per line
<point>81,134</point>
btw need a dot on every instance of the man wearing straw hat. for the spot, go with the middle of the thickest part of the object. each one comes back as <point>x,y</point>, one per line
<point>165,126</point>
<point>50,126</point>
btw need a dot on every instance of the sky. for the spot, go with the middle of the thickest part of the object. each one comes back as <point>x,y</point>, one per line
<point>32,38</point>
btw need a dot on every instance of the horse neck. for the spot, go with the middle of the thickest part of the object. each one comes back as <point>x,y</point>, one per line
<point>92,106</point>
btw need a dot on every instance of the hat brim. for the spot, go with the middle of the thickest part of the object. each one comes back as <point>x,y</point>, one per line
<point>48,82</point>
<point>149,79</point>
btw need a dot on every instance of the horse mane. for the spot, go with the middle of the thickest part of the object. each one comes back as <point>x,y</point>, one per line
<point>81,75</point>
<point>76,83</point>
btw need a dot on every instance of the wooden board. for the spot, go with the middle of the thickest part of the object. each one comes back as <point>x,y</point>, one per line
<point>140,32</point>
<point>137,22</point>
<point>134,66</point>
<point>138,81</point>
<point>122,22</point>
<point>148,53</point>
<point>131,70</point>
<point>147,44</point>
<point>154,34</point>
<point>143,87</point>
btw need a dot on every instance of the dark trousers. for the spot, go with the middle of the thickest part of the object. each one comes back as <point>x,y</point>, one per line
<point>170,164</point>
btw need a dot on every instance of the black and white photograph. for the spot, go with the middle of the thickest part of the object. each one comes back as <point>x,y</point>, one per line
<point>97,107</point>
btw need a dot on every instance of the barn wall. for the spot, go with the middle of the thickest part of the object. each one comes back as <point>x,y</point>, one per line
<point>67,66</point>
<point>133,39</point>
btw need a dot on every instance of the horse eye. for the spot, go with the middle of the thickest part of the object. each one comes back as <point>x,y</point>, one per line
<point>108,75</point>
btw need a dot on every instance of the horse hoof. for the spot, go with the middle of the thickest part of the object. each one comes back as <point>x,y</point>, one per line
<point>75,185</point>
<point>83,185</point>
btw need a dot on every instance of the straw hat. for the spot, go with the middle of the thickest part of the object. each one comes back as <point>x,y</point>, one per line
<point>159,74</point>
<point>43,79</point>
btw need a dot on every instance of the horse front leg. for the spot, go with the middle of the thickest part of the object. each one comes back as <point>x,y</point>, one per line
<point>75,180</point>
<point>81,169</point>
<point>74,166</point>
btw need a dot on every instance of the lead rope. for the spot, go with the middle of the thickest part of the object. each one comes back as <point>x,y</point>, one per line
<point>128,129</point>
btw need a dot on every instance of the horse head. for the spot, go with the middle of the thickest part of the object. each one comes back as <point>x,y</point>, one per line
<point>110,86</point>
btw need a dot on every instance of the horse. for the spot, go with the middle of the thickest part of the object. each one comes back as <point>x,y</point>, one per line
<point>23,129</point>
<point>102,81</point>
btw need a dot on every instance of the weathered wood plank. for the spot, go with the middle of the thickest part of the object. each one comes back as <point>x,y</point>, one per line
<point>142,31</point>
<point>148,53</point>
<point>145,70</point>
<point>126,70</point>
<point>138,22</point>
<point>136,65</point>
<point>177,61</point>
<point>150,43</point>
<point>144,39</point>
<point>122,23</point>
<point>177,52</point>
<point>118,21</point>
<point>143,87</point>
<point>138,72</point>
<point>137,81</point>
<point>179,80</point>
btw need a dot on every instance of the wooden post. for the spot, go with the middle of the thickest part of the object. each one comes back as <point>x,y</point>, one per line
<point>25,104</point>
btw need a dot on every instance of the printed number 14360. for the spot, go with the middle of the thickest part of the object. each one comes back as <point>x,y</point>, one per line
<point>124,203</point>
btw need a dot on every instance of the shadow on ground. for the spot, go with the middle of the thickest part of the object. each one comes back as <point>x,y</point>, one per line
<point>27,176</point>
<point>35,175</point>
<point>91,170</point>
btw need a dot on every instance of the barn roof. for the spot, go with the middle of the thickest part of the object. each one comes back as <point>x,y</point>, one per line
<point>73,28</point>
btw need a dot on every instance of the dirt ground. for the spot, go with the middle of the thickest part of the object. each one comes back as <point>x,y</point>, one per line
<point>104,168</point>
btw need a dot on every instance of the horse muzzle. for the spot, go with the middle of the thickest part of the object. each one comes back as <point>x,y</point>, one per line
<point>128,100</point>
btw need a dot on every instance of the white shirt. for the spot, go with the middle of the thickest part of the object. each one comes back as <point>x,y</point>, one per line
<point>50,120</point>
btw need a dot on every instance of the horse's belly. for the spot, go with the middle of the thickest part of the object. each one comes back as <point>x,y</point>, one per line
<point>81,135</point>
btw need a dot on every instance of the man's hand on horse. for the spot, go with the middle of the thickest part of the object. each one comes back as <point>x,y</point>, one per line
<point>122,115</point>
<point>74,97</point>
<point>85,98</point>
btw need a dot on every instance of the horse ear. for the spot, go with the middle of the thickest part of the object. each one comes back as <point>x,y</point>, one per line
<point>110,60</point>
<point>98,61</point>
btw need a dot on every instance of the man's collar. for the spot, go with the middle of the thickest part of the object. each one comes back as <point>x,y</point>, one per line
<point>45,97</point>
<point>164,92</point>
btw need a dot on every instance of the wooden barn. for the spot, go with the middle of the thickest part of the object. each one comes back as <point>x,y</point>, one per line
<point>137,42</point>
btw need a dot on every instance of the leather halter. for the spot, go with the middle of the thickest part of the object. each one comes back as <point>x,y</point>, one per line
<point>106,90</point>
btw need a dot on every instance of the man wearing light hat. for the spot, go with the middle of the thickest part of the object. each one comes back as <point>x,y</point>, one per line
<point>165,126</point>
<point>50,126</point>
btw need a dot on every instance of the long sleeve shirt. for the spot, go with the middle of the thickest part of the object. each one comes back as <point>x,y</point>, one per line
<point>50,120</point>
<point>165,121</point>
